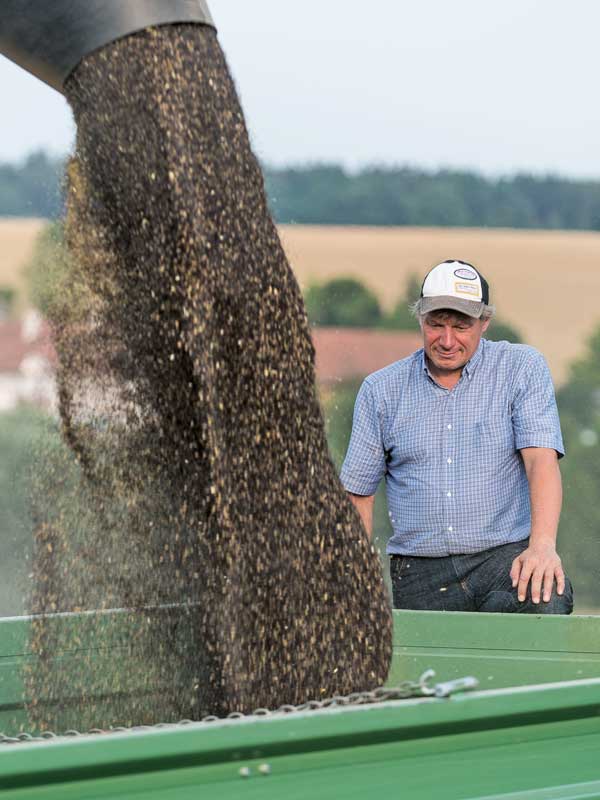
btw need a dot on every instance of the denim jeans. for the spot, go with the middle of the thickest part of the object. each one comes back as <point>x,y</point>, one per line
<point>474,582</point>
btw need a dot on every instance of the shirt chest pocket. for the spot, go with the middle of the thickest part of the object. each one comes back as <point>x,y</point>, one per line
<point>495,435</point>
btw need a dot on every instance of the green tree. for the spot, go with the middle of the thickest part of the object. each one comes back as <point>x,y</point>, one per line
<point>33,188</point>
<point>580,396</point>
<point>326,194</point>
<point>48,268</point>
<point>501,331</point>
<point>20,432</point>
<point>579,407</point>
<point>339,410</point>
<point>342,301</point>
<point>401,318</point>
<point>7,298</point>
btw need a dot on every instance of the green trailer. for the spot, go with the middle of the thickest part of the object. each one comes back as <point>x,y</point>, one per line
<point>530,730</point>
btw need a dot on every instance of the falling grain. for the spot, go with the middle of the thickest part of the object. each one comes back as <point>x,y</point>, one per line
<point>196,457</point>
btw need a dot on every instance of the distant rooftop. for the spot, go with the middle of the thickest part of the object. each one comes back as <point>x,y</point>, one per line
<point>27,361</point>
<point>23,338</point>
<point>347,353</point>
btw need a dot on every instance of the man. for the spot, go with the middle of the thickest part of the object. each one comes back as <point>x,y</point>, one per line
<point>467,436</point>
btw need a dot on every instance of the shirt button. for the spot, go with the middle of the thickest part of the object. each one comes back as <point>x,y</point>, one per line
<point>449,427</point>
<point>449,494</point>
<point>450,528</point>
<point>449,461</point>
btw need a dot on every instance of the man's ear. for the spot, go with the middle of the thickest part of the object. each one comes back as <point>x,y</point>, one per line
<point>485,325</point>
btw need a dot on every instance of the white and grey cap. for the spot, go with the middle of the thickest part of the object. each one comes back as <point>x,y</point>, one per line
<point>456,285</point>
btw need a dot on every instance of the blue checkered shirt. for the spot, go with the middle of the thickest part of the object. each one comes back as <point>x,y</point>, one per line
<point>455,480</point>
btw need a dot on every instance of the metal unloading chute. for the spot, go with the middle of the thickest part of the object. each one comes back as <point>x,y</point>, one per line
<point>50,37</point>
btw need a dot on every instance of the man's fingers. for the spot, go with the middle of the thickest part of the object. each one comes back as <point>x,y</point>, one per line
<point>536,583</point>
<point>539,569</point>
<point>560,580</point>
<point>548,583</point>
<point>515,571</point>
<point>526,571</point>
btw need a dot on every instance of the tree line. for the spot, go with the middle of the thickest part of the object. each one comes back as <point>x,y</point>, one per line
<point>32,188</point>
<point>330,195</point>
<point>327,194</point>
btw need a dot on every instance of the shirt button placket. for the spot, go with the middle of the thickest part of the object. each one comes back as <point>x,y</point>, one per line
<point>450,472</point>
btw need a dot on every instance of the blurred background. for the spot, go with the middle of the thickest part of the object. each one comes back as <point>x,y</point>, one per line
<point>392,136</point>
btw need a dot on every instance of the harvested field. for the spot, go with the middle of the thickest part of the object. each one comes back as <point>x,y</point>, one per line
<point>544,282</point>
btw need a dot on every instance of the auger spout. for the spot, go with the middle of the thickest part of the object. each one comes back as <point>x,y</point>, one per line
<point>49,38</point>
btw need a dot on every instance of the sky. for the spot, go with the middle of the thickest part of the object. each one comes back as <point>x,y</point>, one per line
<point>498,87</point>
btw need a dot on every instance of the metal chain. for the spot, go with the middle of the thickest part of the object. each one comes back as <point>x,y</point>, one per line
<point>405,690</point>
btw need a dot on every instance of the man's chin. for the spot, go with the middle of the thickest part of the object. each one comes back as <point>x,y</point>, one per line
<point>449,364</point>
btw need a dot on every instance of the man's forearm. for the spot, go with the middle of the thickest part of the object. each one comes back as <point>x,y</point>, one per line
<point>545,492</point>
<point>364,505</point>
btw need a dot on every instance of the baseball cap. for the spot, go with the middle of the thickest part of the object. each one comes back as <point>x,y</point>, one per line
<point>457,285</point>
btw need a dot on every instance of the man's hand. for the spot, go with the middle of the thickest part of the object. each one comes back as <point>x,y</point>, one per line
<point>539,564</point>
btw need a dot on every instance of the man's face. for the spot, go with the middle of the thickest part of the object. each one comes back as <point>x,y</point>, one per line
<point>450,339</point>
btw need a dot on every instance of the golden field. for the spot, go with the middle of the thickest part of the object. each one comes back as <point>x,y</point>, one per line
<point>546,283</point>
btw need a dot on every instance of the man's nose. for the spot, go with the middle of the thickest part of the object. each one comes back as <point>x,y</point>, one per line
<point>447,338</point>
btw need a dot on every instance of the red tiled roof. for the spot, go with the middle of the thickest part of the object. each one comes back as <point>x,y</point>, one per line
<point>14,346</point>
<point>345,353</point>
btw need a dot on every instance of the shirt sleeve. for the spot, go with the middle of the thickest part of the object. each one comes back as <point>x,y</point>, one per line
<point>364,465</point>
<point>534,413</point>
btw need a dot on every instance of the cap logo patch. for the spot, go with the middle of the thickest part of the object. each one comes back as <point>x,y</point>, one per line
<point>467,288</point>
<point>468,274</point>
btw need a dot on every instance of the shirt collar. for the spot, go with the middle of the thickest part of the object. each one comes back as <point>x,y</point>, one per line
<point>469,367</point>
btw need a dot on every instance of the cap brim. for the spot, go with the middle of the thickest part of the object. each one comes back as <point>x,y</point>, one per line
<point>471,308</point>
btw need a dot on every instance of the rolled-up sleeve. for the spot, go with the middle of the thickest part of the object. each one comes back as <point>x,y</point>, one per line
<point>534,413</point>
<point>364,465</point>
